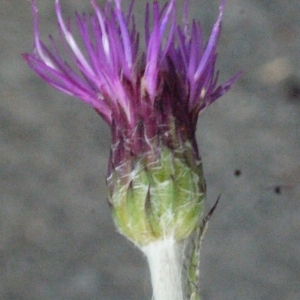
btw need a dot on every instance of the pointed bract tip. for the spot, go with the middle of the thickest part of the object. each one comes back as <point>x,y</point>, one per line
<point>222,7</point>
<point>118,4</point>
<point>94,4</point>
<point>34,7</point>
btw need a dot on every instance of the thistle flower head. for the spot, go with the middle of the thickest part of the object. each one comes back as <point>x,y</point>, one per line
<point>150,98</point>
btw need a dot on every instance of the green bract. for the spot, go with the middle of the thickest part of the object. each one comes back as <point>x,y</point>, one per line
<point>162,199</point>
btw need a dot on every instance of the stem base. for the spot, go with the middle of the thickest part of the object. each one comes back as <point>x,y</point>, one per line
<point>165,259</point>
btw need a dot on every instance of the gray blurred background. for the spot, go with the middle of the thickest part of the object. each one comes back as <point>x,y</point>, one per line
<point>57,238</point>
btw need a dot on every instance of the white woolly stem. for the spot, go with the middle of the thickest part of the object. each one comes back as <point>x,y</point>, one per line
<point>165,263</point>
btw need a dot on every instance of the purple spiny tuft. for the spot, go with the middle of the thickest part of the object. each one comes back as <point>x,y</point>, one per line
<point>118,79</point>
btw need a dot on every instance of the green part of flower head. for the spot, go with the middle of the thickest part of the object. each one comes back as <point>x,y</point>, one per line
<point>162,199</point>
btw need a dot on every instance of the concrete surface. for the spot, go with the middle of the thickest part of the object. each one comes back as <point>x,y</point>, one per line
<point>57,239</point>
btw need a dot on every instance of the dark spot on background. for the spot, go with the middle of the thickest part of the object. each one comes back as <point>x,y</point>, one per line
<point>237,173</point>
<point>292,88</point>
<point>277,189</point>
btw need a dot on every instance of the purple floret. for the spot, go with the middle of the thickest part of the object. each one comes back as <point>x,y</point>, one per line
<point>119,80</point>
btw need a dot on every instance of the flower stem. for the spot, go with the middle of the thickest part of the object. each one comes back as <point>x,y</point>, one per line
<point>165,262</point>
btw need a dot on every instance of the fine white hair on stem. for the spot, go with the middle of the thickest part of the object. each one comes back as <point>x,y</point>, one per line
<point>165,258</point>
